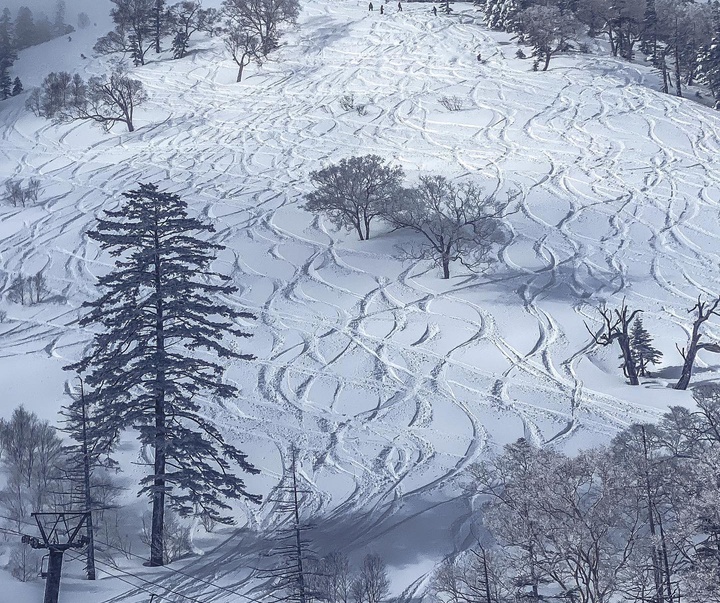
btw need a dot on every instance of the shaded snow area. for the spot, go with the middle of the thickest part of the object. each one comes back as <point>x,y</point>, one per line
<point>390,380</point>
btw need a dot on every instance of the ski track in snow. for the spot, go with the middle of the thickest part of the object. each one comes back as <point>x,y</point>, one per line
<point>390,380</point>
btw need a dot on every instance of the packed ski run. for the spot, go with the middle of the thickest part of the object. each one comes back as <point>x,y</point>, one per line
<point>388,379</point>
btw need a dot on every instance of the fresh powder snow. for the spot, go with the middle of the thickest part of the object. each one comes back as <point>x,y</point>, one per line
<point>388,379</point>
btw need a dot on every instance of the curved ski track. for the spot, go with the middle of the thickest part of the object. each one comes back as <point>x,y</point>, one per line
<point>390,380</point>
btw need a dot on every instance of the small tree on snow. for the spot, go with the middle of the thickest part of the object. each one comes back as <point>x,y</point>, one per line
<point>188,17</point>
<point>243,47</point>
<point>642,349</point>
<point>456,222</point>
<point>548,31</point>
<point>616,327</point>
<point>162,321</point>
<point>261,18</point>
<point>354,191</point>
<point>109,101</point>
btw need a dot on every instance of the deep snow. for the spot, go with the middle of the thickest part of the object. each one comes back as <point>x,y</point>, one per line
<point>390,380</point>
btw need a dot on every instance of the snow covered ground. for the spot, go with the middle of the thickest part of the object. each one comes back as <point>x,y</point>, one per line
<point>390,380</point>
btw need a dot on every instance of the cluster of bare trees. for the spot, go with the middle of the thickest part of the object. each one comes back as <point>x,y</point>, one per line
<point>142,26</point>
<point>106,100</point>
<point>300,574</point>
<point>28,290</point>
<point>679,37</point>
<point>250,28</point>
<point>453,221</point>
<point>637,520</point>
<point>623,326</point>
<point>41,473</point>
<point>17,194</point>
<point>30,451</point>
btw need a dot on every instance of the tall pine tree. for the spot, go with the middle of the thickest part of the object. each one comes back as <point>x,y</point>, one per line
<point>161,323</point>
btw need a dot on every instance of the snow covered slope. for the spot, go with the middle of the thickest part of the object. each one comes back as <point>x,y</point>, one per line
<point>389,379</point>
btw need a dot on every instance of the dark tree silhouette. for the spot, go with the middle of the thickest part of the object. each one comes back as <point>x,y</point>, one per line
<point>149,366</point>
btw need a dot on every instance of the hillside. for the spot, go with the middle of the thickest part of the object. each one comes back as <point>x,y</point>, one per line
<point>390,380</point>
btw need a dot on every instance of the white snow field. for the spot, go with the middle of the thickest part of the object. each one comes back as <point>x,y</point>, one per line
<point>390,380</point>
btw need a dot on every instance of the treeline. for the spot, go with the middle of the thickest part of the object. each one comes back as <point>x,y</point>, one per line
<point>637,520</point>
<point>250,27</point>
<point>27,29</point>
<point>680,38</point>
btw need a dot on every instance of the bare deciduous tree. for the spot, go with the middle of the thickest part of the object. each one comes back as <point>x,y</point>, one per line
<point>331,579</point>
<point>134,32</point>
<point>473,576</point>
<point>188,17</point>
<point>243,47</point>
<point>110,100</point>
<point>355,191</point>
<point>616,327</point>
<point>372,584</point>
<point>457,222</point>
<point>262,18</point>
<point>703,311</point>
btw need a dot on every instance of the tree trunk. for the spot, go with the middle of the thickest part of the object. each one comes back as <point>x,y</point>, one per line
<point>90,554</point>
<point>298,538</point>
<point>157,551</point>
<point>678,74</point>
<point>547,61</point>
<point>657,568</point>
<point>613,43</point>
<point>684,380</point>
<point>488,597</point>
<point>445,260</point>
<point>628,363</point>
<point>158,25</point>
<point>239,73</point>
<point>664,71</point>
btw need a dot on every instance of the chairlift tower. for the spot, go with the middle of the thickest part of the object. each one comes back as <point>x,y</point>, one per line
<point>59,532</point>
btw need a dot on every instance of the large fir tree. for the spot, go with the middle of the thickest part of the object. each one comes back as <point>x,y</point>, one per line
<point>160,307</point>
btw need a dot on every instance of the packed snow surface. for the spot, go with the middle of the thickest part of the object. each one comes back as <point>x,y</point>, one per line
<point>388,379</point>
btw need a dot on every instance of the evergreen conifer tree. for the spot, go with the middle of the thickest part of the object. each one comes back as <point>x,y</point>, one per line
<point>643,351</point>
<point>159,311</point>
<point>159,23</point>
<point>649,40</point>
<point>5,83</point>
<point>17,87</point>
